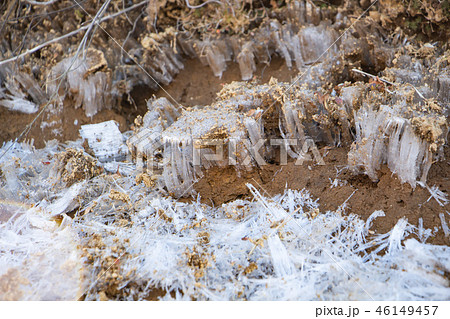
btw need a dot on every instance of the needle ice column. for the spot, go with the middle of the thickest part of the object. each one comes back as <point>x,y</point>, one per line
<point>88,81</point>
<point>202,138</point>
<point>385,137</point>
<point>147,138</point>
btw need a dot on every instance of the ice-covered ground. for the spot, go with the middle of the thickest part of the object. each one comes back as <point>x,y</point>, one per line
<point>96,226</point>
<point>126,238</point>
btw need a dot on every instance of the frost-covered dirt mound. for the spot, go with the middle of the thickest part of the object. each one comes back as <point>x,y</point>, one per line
<point>272,190</point>
<point>125,240</point>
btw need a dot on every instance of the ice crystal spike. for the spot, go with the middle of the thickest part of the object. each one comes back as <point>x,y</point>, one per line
<point>246,61</point>
<point>158,57</point>
<point>13,96</point>
<point>314,41</point>
<point>18,104</point>
<point>280,247</point>
<point>442,86</point>
<point>67,201</point>
<point>216,60</point>
<point>444,225</point>
<point>147,138</point>
<point>87,82</point>
<point>280,43</point>
<point>105,140</point>
<point>197,139</point>
<point>384,137</point>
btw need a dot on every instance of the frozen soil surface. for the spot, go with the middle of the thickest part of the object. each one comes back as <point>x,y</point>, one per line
<point>364,196</point>
<point>74,226</point>
<point>332,183</point>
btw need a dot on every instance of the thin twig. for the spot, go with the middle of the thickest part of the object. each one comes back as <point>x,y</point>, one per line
<point>420,94</point>
<point>386,81</point>
<point>201,5</point>
<point>130,33</point>
<point>128,18</point>
<point>372,76</point>
<point>44,3</point>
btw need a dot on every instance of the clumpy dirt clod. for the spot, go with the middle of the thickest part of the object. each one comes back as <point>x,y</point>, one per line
<point>75,165</point>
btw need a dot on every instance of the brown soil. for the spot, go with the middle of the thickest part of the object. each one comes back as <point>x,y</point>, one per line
<point>196,85</point>
<point>388,194</point>
<point>14,123</point>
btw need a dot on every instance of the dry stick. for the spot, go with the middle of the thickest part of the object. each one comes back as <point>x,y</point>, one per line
<point>128,18</point>
<point>201,5</point>
<point>128,35</point>
<point>44,3</point>
<point>386,81</point>
<point>81,45</point>
<point>372,76</point>
<point>37,48</point>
